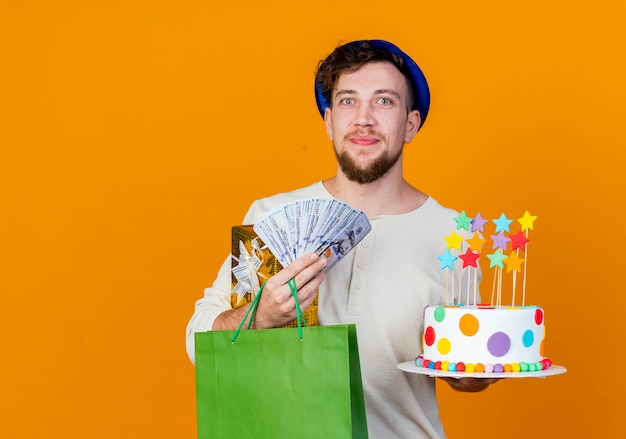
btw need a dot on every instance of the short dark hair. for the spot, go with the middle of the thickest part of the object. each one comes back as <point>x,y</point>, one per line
<point>349,58</point>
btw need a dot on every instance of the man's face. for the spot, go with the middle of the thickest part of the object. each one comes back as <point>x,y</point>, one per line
<point>368,123</point>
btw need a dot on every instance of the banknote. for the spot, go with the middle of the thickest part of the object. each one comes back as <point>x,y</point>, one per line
<point>328,227</point>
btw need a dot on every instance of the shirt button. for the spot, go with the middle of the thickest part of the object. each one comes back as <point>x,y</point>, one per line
<point>361,265</point>
<point>358,285</point>
<point>365,244</point>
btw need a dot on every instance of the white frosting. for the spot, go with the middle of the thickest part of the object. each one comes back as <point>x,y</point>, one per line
<point>486,335</point>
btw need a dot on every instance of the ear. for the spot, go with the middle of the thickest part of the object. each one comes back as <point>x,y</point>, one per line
<point>328,122</point>
<point>412,125</point>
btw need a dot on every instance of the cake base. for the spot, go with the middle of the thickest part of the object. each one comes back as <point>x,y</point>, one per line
<point>409,366</point>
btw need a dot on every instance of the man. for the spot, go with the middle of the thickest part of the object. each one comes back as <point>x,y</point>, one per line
<point>374,99</point>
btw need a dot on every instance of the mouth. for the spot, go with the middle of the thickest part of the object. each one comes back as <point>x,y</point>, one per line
<point>363,140</point>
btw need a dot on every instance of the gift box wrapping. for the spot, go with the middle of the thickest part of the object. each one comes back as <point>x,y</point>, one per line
<point>253,264</point>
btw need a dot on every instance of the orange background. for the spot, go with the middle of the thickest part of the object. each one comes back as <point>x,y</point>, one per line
<point>134,134</point>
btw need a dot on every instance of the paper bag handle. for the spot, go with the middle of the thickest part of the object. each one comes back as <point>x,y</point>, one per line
<point>255,304</point>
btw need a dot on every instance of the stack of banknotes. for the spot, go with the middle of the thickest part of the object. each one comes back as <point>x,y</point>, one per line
<point>328,227</point>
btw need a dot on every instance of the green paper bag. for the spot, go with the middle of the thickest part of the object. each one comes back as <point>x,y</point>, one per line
<point>295,383</point>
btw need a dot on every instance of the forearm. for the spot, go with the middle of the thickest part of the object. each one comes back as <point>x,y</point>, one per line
<point>230,319</point>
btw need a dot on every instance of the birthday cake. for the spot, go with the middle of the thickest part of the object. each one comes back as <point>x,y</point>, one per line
<point>484,338</point>
<point>497,337</point>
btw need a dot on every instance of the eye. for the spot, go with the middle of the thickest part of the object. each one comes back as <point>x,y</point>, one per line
<point>385,101</point>
<point>346,101</point>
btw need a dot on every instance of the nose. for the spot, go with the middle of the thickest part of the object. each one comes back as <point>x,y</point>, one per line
<point>364,115</point>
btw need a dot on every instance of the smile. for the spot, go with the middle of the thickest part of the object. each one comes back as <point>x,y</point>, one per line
<point>364,140</point>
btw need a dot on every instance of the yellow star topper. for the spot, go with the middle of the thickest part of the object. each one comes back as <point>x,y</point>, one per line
<point>527,221</point>
<point>454,241</point>
<point>513,262</point>
<point>476,242</point>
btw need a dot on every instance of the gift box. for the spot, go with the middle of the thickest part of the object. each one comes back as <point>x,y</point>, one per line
<point>253,264</point>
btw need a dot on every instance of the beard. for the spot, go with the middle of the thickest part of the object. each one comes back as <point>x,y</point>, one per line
<point>375,170</point>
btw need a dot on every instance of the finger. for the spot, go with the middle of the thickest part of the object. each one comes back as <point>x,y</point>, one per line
<point>292,270</point>
<point>313,271</point>
<point>309,293</point>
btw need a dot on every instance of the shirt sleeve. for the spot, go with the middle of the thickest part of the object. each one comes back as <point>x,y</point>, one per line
<point>216,300</point>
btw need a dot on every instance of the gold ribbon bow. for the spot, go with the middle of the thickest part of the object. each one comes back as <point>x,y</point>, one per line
<point>247,269</point>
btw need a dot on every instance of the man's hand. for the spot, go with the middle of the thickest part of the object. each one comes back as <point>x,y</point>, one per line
<point>469,384</point>
<point>277,306</point>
